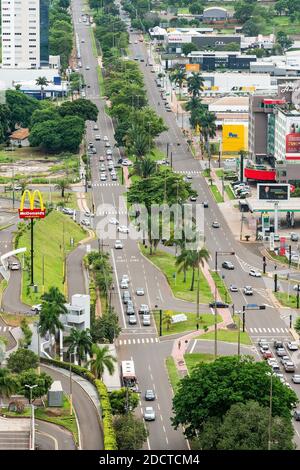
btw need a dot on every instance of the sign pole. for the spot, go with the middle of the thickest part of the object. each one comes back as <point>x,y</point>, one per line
<point>31,251</point>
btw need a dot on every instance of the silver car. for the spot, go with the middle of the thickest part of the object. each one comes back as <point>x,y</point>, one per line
<point>149,414</point>
<point>296,378</point>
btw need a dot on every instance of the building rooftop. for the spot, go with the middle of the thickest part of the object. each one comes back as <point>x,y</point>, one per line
<point>20,134</point>
<point>232,100</point>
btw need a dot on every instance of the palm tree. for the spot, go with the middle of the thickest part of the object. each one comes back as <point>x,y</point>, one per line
<point>167,319</point>
<point>194,103</point>
<point>208,129</point>
<point>42,82</point>
<point>192,259</point>
<point>183,262</point>
<point>195,84</point>
<point>144,167</point>
<point>102,360</point>
<point>55,296</point>
<point>62,185</point>
<point>49,319</point>
<point>140,144</point>
<point>8,383</point>
<point>178,76</point>
<point>79,341</point>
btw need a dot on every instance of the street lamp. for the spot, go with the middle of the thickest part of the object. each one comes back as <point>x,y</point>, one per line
<point>218,253</point>
<point>270,410</point>
<point>30,387</point>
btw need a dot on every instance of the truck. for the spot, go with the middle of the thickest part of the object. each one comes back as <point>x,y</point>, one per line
<point>128,375</point>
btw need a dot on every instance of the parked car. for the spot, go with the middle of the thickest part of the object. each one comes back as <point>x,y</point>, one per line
<point>227,265</point>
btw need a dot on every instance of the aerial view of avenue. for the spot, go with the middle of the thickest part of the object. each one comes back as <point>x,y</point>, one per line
<point>150,228</point>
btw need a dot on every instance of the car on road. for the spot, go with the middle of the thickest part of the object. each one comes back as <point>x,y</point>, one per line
<point>87,67</point>
<point>193,198</point>
<point>284,358</point>
<point>149,414</point>
<point>105,138</point>
<point>233,288</point>
<point>14,266</point>
<point>101,158</point>
<point>294,237</point>
<point>132,320</point>
<point>126,162</point>
<point>130,308</point>
<point>66,210</point>
<point>103,177</point>
<point>140,291</point>
<point>280,352</point>
<point>227,265</point>
<point>215,224</point>
<point>254,273</point>
<point>123,229</point>
<point>149,395</point>
<point>218,304</point>
<point>36,308</point>
<point>97,137</point>
<point>126,296</point>
<point>189,176</point>
<point>113,221</point>
<point>107,144</point>
<point>297,415</point>
<point>205,204</point>
<point>292,346</point>
<point>296,287</point>
<point>248,290</point>
<point>267,354</point>
<point>118,245</point>
<point>124,284</point>
<point>85,222</point>
<point>108,152</point>
<point>146,320</point>
<point>289,366</point>
<point>89,214</point>
<point>296,378</point>
<point>114,177</point>
<point>278,344</point>
<point>144,308</point>
<point>102,167</point>
<point>82,40</point>
<point>262,341</point>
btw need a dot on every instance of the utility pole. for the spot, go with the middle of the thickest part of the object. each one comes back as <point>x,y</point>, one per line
<point>239,335</point>
<point>244,311</point>
<point>198,291</point>
<point>264,264</point>
<point>290,255</point>
<point>270,412</point>
<point>171,159</point>
<point>160,322</point>
<point>298,287</point>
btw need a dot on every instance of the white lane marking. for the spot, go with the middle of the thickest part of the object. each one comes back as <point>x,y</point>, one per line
<point>161,418</point>
<point>152,340</point>
<point>129,341</point>
<point>143,340</point>
<point>119,292</point>
<point>138,341</point>
<point>133,341</point>
<point>147,340</point>
<point>156,340</point>
<point>50,437</point>
<point>193,347</point>
<point>158,406</point>
<point>124,342</point>
<point>164,429</point>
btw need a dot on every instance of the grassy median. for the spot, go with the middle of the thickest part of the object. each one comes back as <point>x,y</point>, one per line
<point>174,377</point>
<point>194,359</point>
<point>166,263</point>
<point>52,239</point>
<point>205,319</point>
<point>227,336</point>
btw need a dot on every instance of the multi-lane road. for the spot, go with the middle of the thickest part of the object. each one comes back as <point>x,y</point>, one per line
<point>139,342</point>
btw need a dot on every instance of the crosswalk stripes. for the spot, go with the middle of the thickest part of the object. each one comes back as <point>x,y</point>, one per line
<point>128,342</point>
<point>112,212</point>
<point>97,185</point>
<point>5,328</point>
<point>184,172</point>
<point>269,330</point>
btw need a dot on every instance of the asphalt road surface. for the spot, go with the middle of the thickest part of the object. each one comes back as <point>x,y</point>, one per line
<point>52,437</point>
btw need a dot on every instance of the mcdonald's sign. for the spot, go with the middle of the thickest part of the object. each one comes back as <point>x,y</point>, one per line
<point>32,212</point>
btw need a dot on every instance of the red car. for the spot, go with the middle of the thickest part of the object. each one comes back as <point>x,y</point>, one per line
<point>267,354</point>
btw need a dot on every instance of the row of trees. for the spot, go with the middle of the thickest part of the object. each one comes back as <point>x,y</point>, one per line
<point>225,405</point>
<point>60,31</point>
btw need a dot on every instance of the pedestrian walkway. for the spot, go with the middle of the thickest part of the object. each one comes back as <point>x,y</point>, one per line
<point>128,342</point>
<point>100,184</point>
<point>276,331</point>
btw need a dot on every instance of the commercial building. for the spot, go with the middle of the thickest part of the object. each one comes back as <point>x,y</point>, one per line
<point>25,26</point>
<point>237,82</point>
<point>9,78</point>
<point>210,61</point>
<point>215,14</point>
<point>229,109</point>
<point>174,39</point>
<point>234,137</point>
<point>78,315</point>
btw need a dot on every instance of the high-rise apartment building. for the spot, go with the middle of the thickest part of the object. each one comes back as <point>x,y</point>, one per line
<point>24,33</point>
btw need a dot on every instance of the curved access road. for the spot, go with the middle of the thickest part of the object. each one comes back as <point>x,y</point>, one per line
<point>91,436</point>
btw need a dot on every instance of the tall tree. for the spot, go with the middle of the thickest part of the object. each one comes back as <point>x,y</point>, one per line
<point>102,359</point>
<point>80,342</point>
<point>85,109</point>
<point>178,76</point>
<point>49,318</point>
<point>42,82</point>
<point>8,383</point>
<point>122,401</point>
<point>144,167</point>
<point>62,186</point>
<point>106,329</point>
<point>191,259</point>
<point>22,359</point>
<point>195,84</point>
<point>130,432</point>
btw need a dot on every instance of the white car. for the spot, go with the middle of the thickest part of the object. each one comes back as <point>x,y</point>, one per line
<point>132,320</point>
<point>95,127</point>
<point>82,40</point>
<point>233,288</point>
<point>149,414</point>
<point>124,284</point>
<point>85,222</point>
<point>118,245</point>
<point>297,287</point>
<point>14,266</point>
<point>248,290</point>
<point>123,229</point>
<point>140,291</point>
<point>125,277</point>
<point>105,138</point>
<point>113,221</point>
<point>97,137</point>
<point>108,152</point>
<point>103,177</point>
<point>292,346</point>
<point>126,162</point>
<point>36,308</point>
<point>254,273</point>
<point>87,67</point>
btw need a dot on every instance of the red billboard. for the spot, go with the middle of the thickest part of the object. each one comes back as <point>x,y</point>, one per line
<point>292,142</point>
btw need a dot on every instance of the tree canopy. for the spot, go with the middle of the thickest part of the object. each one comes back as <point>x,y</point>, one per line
<point>82,108</point>
<point>22,359</point>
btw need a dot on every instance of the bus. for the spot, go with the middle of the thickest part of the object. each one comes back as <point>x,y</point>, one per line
<point>128,375</point>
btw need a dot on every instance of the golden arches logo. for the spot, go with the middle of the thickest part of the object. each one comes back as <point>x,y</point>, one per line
<point>32,212</point>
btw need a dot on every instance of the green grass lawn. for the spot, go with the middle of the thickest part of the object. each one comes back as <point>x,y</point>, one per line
<point>173,373</point>
<point>15,319</point>
<point>220,172</point>
<point>50,236</point>
<point>69,200</point>
<point>216,193</point>
<point>193,359</point>
<point>166,263</point>
<point>183,11</point>
<point>228,336</point>
<point>100,81</point>
<point>282,23</point>
<point>65,420</point>
<point>205,319</point>
<point>223,291</point>
<point>229,192</point>
<point>206,173</point>
<point>93,41</point>
<point>284,300</point>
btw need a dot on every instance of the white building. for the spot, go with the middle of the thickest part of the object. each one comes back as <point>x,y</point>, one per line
<point>78,315</point>
<point>20,34</point>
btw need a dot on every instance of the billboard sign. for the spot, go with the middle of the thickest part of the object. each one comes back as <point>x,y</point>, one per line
<point>192,67</point>
<point>282,246</point>
<point>234,137</point>
<point>273,192</point>
<point>292,138</point>
<point>32,212</point>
